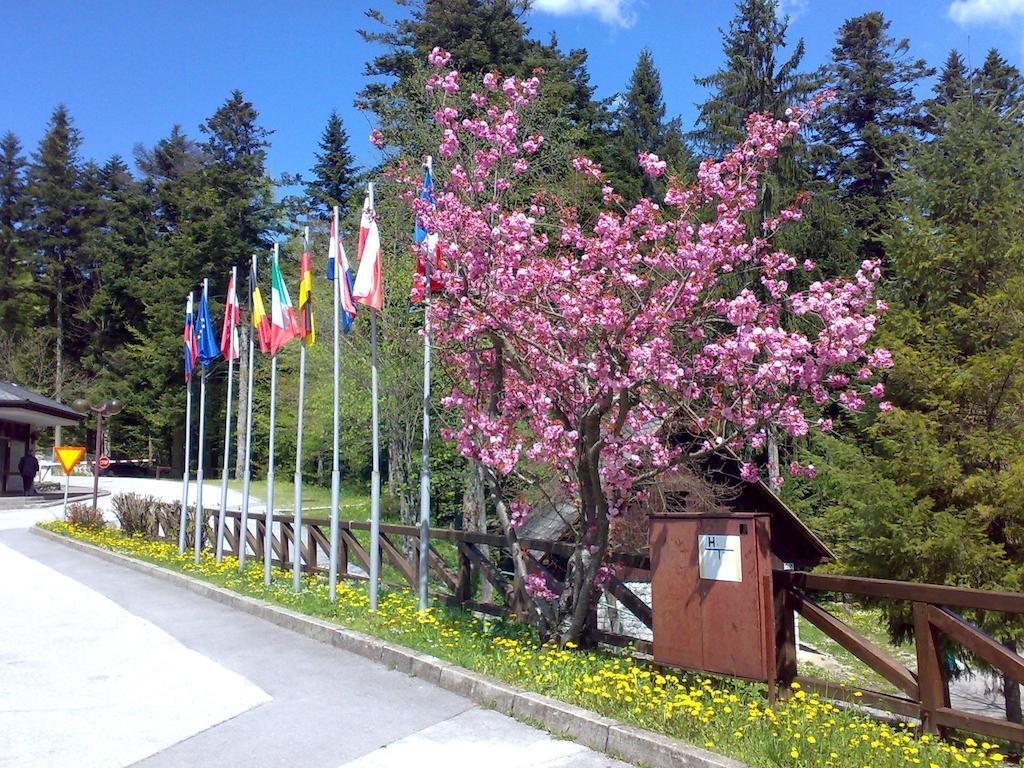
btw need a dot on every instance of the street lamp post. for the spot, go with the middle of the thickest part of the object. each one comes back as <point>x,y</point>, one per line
<point>106,408</point>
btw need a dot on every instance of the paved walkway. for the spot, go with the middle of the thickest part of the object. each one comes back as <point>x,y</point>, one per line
<point>103,666</point>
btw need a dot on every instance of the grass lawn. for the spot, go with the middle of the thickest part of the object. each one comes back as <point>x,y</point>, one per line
<point>868,621</point>
<point>355,501</point>
<point>722,714</point>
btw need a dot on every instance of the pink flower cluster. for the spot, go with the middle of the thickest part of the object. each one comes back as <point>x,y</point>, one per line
<point>575,344</point>
<point>537,587</point>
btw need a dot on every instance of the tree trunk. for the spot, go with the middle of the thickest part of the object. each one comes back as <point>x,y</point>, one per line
<point>243,393</point>
<point>392,466</point>
<point>474,514</point>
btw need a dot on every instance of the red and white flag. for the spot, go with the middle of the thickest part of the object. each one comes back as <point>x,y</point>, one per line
<point>369,286</point>
<point>232,314</point>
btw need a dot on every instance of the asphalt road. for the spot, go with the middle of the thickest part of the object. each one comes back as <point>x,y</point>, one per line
<point>103,666</point>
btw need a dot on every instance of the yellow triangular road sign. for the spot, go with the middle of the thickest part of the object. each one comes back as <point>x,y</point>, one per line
<point>69,456</point>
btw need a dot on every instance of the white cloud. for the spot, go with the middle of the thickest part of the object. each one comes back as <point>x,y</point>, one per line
<point>985,11</point>
<point>615,12</point>
<point>794,9</point>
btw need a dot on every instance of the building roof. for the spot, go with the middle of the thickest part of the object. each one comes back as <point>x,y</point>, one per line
<point>27,407</point>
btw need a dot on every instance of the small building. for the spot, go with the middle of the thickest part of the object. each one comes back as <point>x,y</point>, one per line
<point>23,415</point>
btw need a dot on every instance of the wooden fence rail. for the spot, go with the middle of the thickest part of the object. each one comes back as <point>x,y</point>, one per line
<point>467,558</point>
<point>924,692</point>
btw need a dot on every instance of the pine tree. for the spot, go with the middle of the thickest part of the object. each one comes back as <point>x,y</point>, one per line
<point>58,231</point>
<point>640,126</point>
<point>953,80</point>
<point>873,122</point>
<point>16,305</point>
<point>752,79</point>
<point>334,173</point>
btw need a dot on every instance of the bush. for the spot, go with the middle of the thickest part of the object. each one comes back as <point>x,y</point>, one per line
<point>136,514</point>
<point>168,514</point>
<point>83,516</point>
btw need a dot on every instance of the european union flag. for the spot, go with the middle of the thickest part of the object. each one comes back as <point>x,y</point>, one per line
<point>209,348</point>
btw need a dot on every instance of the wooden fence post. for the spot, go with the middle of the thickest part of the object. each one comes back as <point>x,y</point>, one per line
<point>785,640</point>
<point>931,678</point>
<point>464,591</point>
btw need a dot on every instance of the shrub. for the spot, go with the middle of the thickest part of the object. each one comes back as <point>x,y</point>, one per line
<point>136,514</point>
<point>83,516</point>
<point>168,515</point>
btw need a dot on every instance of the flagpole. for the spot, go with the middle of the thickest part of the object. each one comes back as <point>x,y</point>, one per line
<point>227,434</point>
<point>268,537</point>
<point>243,536</point>
<point>335,461</point>
<point>424,559</point>
<point>297,531</point>
<point>188,455</point>
<point>375,475</point>
<point>200,513</point>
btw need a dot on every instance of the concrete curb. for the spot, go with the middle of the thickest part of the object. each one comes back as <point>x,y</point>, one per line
<point>601,733</point>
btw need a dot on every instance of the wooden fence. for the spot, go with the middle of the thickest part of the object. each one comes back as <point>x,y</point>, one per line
<point>466,558</point>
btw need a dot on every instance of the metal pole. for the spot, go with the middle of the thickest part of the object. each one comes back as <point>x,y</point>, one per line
<point>297,515</point>
<point>200,516</point>
<point>67,482</point>
<point>335,461</point>
<point>424,570</point>
<point>268,538</point>
<point>247,474</point>
<point>375,475</point>
<point>96,462</point>
<point>227,442</point>
<point>188,461</point>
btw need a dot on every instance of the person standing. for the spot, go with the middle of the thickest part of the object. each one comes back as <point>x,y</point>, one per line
<point>28,466</point>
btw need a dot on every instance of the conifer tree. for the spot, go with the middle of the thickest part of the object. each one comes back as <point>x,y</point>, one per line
<point>640,126</point>
<point>58,231</point>
<point>16,304</point>
<point>999,84</point>
<point>873,122</point>
<point>752,79</point>
<point>334,172</point>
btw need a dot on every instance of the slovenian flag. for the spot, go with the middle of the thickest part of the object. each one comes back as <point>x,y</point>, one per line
<point>369,285</point>
<point>283,325</point>
<point>307,331</point>
<point>232,314</point>
<point>338,261</point>
<point>209,349</point>
<point>429,250</point>
<point>257,310</point>
<point>191,350</point>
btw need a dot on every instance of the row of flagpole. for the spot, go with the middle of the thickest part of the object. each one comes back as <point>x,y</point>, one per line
<point>273,333</point>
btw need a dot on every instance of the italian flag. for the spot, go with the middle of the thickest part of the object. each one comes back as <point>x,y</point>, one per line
<point>283,325</point>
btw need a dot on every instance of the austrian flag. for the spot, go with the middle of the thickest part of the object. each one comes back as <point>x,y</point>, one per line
<point>369,286</point>
<point>232,314</point>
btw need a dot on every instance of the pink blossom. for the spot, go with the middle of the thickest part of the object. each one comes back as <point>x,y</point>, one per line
<point>885,406</point>
<point>652,164</point>
<point>537,586</point>
<point>376,137</point>
<point>439,57</point>
<point>491,81</point>
<point>749,472</point>
<point>877,390</point>
<point>587,167</point>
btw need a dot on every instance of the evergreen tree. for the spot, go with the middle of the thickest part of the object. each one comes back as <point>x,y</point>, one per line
<point>334,173</point>
<point>16,305</point>
<point>999,84</point>
<point>58,231</point>
<point>873,122</point>
<point>953,80</point>
<point>752,79</point>
<point>640,126</point>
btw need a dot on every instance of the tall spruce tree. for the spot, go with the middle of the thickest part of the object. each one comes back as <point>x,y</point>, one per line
<point>334,172</point>
<point>873,122</point>
<point>58,227</point>
<point>640,126</point>
<point>752,79</point>
<point>16,304</point>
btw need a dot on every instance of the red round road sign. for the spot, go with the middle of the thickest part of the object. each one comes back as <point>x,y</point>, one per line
<point>104,462</point>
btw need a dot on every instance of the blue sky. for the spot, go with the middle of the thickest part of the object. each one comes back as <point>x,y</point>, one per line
<point>129,69</point>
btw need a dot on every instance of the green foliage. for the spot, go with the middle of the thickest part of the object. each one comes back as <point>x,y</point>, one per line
<point>334,172</point>
<point>640,126</point>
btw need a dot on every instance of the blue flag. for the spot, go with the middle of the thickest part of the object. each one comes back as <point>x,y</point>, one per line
<point>209,347</point>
